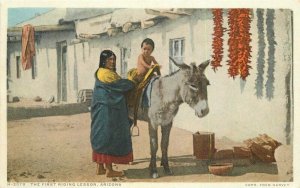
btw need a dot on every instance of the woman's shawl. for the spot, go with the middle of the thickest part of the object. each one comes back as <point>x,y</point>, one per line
<point>110,127</point>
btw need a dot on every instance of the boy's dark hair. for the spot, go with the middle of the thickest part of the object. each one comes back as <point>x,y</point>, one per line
<point>148,41</point>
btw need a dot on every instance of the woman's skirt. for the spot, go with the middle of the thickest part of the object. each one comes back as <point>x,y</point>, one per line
<point>109,159</point>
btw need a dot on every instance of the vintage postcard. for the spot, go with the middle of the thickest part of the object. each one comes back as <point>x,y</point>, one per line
<point>130,93</point>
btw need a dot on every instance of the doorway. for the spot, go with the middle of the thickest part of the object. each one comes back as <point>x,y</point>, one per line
<point>124,61</point>
<point>61,48</point>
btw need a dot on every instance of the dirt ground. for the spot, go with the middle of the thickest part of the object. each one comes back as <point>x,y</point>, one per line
<point>57,149</point>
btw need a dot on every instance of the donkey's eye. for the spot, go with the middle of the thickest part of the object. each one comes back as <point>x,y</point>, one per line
<point>193,87</point>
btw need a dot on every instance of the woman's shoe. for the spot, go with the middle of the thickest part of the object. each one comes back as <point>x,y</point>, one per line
<point>113,173</point>
<point>100,169</point>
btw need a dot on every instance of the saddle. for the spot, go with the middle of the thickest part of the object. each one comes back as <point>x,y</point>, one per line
<point>134,96</point>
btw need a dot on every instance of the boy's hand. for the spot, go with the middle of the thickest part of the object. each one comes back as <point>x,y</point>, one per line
<point>156,65</point>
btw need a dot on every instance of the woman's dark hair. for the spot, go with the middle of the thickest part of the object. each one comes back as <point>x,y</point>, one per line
<point>104,55</point>
<point>149,42</point>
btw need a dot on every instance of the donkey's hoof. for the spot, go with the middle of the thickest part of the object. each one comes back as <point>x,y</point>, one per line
<point>168,172</point>
<point>154,175</point>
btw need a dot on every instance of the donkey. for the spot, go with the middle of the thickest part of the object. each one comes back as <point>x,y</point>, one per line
<point>187,85</point>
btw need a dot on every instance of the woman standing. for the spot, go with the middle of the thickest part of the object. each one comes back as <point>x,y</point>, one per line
<point>110,127</point>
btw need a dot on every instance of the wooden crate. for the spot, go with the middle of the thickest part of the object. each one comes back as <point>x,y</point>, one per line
<point>204,145</point>
<point>85,96</point>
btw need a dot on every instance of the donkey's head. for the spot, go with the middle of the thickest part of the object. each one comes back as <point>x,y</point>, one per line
<point>194,87</point>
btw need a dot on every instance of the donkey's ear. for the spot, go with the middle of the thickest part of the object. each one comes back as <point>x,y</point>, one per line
<point>180,65</point>
<point>203,65</point>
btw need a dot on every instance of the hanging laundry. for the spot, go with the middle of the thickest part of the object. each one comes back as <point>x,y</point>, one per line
<point>28,48</point>
<point>217,39</point>
<point>271,54</point>
<point>260,54</point>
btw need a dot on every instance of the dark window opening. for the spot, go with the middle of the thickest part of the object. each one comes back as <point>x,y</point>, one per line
<point>34,68</point>
<point>18,65</point>
<point>176,49</point>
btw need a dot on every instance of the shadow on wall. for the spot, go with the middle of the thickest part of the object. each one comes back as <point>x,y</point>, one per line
<point>16,113</point>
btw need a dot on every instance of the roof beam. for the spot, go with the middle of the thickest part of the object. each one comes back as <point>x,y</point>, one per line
<point>43,28</point>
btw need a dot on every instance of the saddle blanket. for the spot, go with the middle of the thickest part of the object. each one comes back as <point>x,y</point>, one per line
<point>146,96</point>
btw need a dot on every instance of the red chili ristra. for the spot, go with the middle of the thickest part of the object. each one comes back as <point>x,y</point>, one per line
<point>239,42</point>
<point>217,44</point>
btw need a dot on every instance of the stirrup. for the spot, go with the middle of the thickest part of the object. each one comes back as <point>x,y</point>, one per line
<point>135,133</point>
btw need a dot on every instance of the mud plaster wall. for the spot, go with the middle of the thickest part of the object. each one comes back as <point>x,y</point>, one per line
<point>235,111</point>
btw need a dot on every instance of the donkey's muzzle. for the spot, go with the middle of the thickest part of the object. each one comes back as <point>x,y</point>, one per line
<point>202,112</point>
